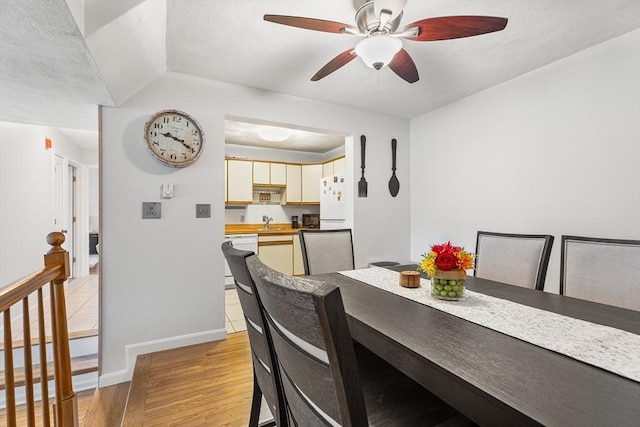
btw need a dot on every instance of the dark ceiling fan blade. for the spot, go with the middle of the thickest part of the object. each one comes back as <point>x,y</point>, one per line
<point>309,23</point>
<point>455,27</point>
<point>403,66</point>
<point>339,61</point>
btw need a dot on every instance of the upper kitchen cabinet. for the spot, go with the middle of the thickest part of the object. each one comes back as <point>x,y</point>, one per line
<point>334,167</point>
<point>327,168</point>
<point>239,182</point>
<point>294,184</point>
<point>311,174</point>
<point>339,166</point>
<point>269,174</point>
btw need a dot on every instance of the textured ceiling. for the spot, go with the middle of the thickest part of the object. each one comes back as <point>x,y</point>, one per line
<point>55,72</point>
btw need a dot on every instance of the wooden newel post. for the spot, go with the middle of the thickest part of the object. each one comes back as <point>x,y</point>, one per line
<point>66,413</point>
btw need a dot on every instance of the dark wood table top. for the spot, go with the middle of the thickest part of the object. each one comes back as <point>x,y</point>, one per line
<point>492,378</point>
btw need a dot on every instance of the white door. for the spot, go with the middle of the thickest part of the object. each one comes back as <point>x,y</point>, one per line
<point>64,205</point>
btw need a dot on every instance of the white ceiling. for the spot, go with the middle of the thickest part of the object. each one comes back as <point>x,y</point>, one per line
<point>54,71</point>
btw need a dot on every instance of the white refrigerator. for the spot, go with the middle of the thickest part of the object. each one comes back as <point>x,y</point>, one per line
<point>333,209</point>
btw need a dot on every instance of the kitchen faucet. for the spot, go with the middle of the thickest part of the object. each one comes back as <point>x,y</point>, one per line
<point>266,220</point>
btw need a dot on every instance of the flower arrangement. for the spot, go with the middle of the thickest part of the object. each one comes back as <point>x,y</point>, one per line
<point>445,257</point>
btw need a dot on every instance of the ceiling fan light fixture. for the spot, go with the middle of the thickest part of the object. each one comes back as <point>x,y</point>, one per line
<point>273,134</point>
<point>378,50</point>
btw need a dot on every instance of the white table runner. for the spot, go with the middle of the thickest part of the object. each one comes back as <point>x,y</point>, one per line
<point>605,347</point>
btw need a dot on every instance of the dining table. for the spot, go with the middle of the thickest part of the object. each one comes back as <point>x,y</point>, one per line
<point>491,377</point>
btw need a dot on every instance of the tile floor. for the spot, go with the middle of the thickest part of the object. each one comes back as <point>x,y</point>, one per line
<point>234,318</point>
<point>81,298</point>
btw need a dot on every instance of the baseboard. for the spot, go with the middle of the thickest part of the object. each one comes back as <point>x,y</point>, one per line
<point>133,350</point>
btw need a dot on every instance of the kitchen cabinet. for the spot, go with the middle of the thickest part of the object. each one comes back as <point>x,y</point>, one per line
<point>334,167</point>
<point>239,181</point>
<point>327,169</point>
<point>294,184</point>
<point>278,174</point>
<point>277,252</point>
<point>311,174</point>
<point>261,173</point>
<point>298,262</point>
<point>269,174</point>
<point>339,166</point>
<point>226,197</point>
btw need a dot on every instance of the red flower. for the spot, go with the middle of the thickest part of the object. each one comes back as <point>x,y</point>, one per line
<point>446,261</point>
<point>446,248</point>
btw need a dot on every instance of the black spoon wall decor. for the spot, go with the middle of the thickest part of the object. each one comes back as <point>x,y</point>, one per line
<point>394,184</point>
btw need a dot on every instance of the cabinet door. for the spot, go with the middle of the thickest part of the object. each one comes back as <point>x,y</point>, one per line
<point>239,181</point>
<point>278,174</point>
<point>311,175</point>
<point>298,263</point>
<point>339,166</point>
<point>226,197</point>
<point>261,172</point>
<point>327,169</point>
<point>277,253</point>
<point>294,184</point>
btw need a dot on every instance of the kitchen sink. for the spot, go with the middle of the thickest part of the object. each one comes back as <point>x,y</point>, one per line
<point>269,229</point>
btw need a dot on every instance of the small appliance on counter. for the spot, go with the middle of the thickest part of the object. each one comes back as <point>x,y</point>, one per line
<point>294,221</point>
<point>311,220</point>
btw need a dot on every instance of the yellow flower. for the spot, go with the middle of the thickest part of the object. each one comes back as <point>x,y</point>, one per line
<point>428,264</point>
<point>465,260</point>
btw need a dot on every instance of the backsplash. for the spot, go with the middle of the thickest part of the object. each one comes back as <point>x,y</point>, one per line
<point>252,214</point>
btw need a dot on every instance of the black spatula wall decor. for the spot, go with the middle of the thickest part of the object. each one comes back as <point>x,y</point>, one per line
<point>362,184</point>
<point>394,184</point>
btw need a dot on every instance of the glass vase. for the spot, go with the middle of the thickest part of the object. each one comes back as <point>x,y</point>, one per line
<point>448,285</point>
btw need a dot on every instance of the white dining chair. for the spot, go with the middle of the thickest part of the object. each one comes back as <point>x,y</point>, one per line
<point>516,259</point>
<point>326,251</point>
<point>601,270</point>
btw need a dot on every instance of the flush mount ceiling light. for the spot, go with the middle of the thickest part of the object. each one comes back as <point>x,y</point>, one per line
<point>273,134</point>
<point>378,50</point>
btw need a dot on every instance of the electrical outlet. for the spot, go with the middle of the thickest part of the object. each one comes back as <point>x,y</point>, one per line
<point>203,210</point>
<point>151,210</point>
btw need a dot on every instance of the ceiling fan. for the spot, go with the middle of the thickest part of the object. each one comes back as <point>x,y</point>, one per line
<point>377,22</point>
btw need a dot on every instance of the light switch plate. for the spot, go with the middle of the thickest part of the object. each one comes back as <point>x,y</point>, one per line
<point>167,191</point>
<point>203,210</point>
<point>151,210</point>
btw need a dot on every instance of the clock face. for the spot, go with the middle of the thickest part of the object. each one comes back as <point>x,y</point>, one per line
<point>174,138</point>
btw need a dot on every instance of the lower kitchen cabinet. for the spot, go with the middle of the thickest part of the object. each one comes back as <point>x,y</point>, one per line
<point>277,252</point>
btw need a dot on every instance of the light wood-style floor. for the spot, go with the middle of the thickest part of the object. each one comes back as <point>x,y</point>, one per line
<point>208,384</point>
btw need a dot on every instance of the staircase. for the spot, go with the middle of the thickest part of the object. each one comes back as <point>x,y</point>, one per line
<point>83,348</point>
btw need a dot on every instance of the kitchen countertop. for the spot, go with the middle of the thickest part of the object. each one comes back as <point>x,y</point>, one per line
<point>275,229</point>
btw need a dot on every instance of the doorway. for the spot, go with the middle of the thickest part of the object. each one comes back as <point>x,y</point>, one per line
<point>72,195</point>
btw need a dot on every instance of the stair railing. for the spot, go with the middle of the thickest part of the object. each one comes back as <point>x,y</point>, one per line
<point>55,272</point>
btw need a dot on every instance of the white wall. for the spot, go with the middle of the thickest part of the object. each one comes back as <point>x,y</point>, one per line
<point>26,195</point>
<point>555,151</point>
<point>162,282</point>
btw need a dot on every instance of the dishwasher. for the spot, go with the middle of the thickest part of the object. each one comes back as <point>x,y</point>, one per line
<point>242,242</point>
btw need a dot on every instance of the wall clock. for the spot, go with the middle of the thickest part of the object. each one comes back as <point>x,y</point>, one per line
<point>174,138</point>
